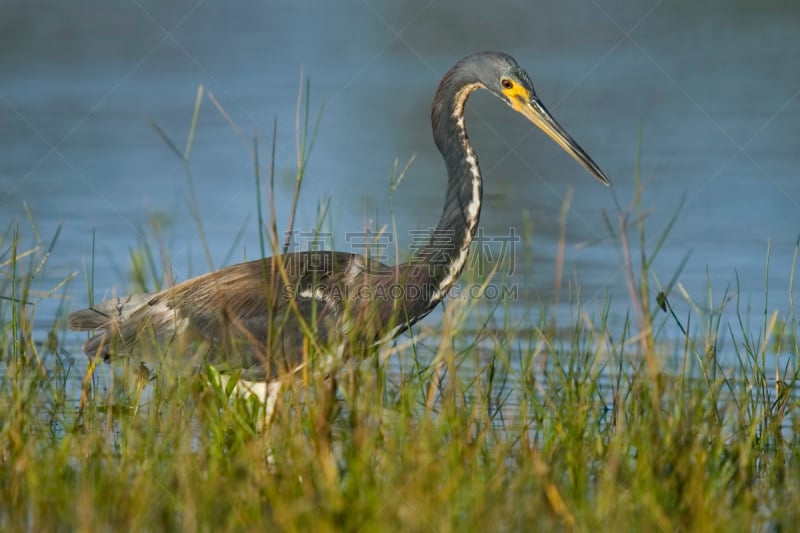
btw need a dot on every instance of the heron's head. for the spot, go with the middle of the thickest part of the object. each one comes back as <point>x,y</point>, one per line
<point>501,75</point>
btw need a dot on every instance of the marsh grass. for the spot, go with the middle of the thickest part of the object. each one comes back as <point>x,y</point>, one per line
<point>500,422</point>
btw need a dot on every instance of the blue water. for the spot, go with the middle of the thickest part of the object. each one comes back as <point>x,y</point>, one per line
<point>705,93</point>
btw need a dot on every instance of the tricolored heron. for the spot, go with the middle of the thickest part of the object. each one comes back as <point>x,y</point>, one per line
<point>260,316</point>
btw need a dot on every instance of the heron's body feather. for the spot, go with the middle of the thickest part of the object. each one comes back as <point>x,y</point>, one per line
<point>260,316</point>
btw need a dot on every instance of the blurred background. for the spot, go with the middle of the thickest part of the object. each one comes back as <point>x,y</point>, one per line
<point>706,94</point>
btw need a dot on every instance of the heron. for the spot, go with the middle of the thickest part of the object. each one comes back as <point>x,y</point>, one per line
<point>262,317</point>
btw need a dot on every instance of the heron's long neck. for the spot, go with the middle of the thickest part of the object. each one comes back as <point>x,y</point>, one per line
<point>446,253</point>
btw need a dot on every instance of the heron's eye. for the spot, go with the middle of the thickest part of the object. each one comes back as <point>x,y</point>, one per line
<point>506,83</point>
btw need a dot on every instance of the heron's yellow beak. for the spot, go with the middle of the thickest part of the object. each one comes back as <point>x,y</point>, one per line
<point>532,108</point>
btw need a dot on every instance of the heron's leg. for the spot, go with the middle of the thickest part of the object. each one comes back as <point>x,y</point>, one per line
<point>267,393</point>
